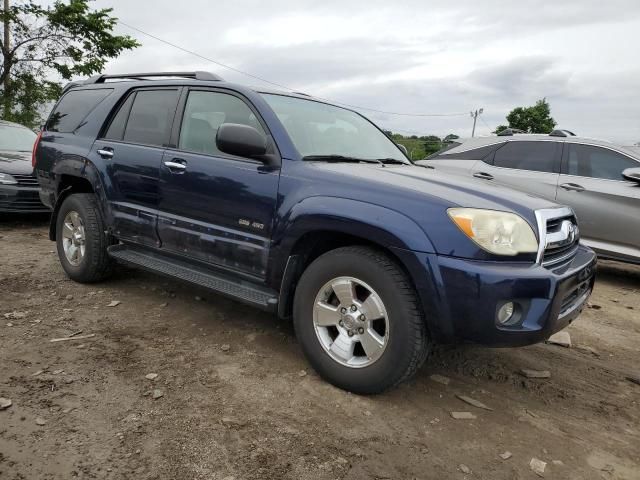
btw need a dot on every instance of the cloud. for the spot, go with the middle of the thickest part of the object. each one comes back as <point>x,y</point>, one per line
<point>414,56</point>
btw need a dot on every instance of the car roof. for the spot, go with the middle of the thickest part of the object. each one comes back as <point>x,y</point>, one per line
<point>6,123</point>
<point>198,78</point>
<point>478,142</point>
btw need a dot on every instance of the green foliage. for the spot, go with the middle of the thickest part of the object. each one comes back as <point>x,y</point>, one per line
<point>64,40</point>
<point>418,147</point>
<point>535,119</point>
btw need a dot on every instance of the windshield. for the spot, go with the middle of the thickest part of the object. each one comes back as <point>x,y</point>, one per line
<point>18,139</point>
<point>318,129</point>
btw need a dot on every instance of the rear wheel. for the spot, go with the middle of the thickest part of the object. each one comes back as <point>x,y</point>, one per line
<point>359,321</point>
<point>81,239</point>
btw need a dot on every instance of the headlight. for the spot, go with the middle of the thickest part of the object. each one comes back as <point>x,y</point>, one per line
<point>6,179</point>
<point>502,233</point>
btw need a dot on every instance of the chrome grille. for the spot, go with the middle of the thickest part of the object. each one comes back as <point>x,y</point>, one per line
<point>559,236</point>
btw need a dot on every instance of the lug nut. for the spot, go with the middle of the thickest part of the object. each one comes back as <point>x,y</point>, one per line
<point>362,318</point>
<point>350,333</point>
<point>341,323</point>
<point>343,310</point>
<point>353,308</point>
<point>361,330</point>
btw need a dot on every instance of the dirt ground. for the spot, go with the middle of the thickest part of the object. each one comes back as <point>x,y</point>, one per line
<point>240,402</point>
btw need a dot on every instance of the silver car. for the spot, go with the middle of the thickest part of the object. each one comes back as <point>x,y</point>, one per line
<point>598,179</point>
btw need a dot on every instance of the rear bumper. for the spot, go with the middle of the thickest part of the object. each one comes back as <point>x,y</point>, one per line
<point>21,199</point>
<point>462,298</point>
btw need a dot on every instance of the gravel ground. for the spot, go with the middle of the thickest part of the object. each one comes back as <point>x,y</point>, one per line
<point>234,398</point>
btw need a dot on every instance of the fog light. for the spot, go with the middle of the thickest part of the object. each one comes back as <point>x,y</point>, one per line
<point>505,313</point>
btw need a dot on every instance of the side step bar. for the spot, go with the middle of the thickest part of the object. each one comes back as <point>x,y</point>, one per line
<point>240,290</point>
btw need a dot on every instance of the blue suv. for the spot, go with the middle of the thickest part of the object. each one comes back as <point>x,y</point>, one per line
<point>307,210</point>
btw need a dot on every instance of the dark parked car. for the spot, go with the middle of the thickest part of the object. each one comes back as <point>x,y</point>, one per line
<point>307,210</point>
<point>18,187</point>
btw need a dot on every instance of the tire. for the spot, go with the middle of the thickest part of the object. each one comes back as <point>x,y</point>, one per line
<point>94,264</point>
<point>405,342</point>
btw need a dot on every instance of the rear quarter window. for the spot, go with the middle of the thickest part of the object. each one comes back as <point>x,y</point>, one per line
<point>73,108</point>
<point>473,154</point>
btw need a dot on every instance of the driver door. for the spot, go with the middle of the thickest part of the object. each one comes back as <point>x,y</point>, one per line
<point>216,208</point>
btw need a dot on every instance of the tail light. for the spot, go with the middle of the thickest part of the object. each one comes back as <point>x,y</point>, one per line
<point>35,147</point>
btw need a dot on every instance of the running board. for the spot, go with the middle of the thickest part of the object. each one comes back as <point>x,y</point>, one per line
<point>240,290</point>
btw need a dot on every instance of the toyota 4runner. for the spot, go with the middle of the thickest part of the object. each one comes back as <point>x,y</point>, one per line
<point>307,210</point>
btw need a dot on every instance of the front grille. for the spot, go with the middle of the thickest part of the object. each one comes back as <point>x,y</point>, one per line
<point>26,180</point>
<point>561,239</point>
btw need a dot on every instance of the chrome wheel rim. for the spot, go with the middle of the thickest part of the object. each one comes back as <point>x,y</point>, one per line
<point>351,322</point>
<point>73,238</point>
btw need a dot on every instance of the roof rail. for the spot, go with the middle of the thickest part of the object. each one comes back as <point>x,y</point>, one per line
<point>562,133</point>
<point>142,76</point>
<point>507,132</point>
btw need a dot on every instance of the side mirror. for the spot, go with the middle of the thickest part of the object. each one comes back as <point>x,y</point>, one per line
<point>240,140</point>
<point>632,174</point>
<point>403,148</point>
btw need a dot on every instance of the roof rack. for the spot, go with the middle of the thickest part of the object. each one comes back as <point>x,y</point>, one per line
<point>562,133</point>
<point>507,132</point>
<point>142,76</point>
<point>198,75</point>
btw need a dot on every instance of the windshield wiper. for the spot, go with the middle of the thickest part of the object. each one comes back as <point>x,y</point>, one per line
<point>339,158</point>
<point>392,161</point>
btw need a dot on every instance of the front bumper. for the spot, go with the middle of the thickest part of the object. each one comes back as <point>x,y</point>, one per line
<point>462,298</point>
<point>21,199</point>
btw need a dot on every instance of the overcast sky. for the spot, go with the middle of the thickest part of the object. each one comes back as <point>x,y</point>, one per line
<point>422,56</point>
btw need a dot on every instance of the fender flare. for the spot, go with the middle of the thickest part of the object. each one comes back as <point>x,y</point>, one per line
<point>385,227</point>
<point>81,168</point>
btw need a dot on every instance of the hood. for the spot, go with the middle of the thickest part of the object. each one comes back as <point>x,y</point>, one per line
<point>424,195</point>
<point>14,162</point>
<point>452,190</point>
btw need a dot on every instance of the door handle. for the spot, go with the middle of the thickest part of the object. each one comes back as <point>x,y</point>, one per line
<point>483,175</point>
<point>105,152</point>
<point>176,165</point>
<point>572,187</point>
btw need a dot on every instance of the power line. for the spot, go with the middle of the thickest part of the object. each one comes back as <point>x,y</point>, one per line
<point>486,125</point>
<point>242,72</point>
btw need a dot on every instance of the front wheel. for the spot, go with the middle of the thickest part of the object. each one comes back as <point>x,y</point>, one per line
<point>359,321</point>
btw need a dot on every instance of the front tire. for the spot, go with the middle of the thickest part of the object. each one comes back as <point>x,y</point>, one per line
<point>81,239</point>
<point>359,321</point>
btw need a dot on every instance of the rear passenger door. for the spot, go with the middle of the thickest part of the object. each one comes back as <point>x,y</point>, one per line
<point>216,208</point>
<point>607,205</point>
<point>131,149</point>
<point>531,167</point>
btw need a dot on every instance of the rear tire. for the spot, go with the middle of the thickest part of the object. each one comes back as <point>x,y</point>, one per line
<point>81,239</point>
<point>360,353</point>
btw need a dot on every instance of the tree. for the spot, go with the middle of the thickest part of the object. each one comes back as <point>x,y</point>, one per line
<point>432,144</point>
<point>39,44</point>
<point>535,119</point>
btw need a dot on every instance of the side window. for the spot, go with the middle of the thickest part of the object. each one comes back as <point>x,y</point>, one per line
<point>596,162</point>
<point>203,115</point>
<point>73,107</point>
<point>119,121</point>
<point>535,156</point>
<point>148,121</point>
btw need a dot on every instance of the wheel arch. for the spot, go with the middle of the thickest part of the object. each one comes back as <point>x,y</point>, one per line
<point>314,229</point>
<point>75,175</point>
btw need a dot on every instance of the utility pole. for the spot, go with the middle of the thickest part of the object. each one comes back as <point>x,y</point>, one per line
<point>474,115</point>
<point>5,58</point>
